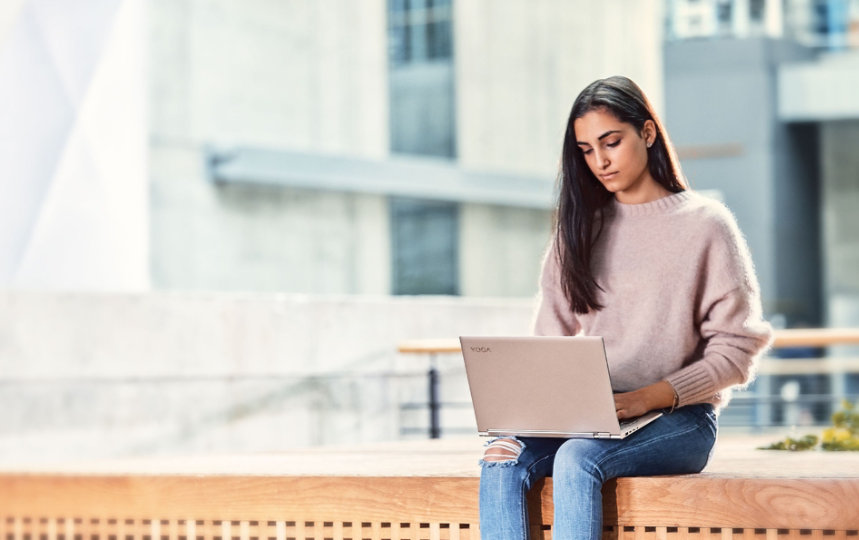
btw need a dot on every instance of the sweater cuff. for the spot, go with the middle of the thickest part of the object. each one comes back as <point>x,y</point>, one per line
<point>693,384</point>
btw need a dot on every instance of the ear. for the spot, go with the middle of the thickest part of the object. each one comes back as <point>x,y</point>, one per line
<point>648,132</point>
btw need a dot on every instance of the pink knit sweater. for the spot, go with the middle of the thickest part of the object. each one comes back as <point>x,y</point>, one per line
<point>682,302</point>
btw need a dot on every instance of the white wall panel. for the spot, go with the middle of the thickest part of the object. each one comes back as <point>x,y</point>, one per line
<point>73,197</point>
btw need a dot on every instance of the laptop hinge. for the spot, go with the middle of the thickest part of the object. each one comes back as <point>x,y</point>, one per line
<point>544,433</point>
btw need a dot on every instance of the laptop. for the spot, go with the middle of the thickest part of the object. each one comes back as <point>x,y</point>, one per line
<point>544,387</point>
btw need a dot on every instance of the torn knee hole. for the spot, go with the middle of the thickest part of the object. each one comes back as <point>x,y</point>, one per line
<point>503,450</point>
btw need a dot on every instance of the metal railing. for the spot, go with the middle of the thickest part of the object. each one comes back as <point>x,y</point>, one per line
<point>789,389</point>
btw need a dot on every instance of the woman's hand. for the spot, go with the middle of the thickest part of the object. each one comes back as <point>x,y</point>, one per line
<point>656,396</point>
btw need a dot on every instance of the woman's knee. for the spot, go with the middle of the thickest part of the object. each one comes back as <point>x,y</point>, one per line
<point>505,450</point>
<point>575,456</point>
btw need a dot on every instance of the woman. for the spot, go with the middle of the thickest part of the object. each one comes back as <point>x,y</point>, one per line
<point>664,275</point>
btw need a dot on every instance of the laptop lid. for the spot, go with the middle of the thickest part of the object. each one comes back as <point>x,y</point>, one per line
<point>542,386</point>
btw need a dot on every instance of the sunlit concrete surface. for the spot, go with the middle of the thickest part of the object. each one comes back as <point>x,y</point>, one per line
<point>126,374</point>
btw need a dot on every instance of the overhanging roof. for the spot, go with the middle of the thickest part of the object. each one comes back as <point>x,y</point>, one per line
<point>825,89</point>
<point>423,178</point>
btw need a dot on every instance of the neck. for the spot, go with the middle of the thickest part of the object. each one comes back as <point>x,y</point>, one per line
<point>648,192</point>
<point>657,206</point>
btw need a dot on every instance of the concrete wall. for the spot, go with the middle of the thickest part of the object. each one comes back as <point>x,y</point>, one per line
<point>520,65</point>
<point>89,375</point>
<point>501,249</point>
<point>306,76</point>
<point>262,238</point>
<point>722,117</point>
<point>301,75</point>
<point>840,172</point>
<point>313,77</point>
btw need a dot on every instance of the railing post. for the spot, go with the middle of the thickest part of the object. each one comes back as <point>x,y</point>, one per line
<point>763,407</point>
<point>434,427</point>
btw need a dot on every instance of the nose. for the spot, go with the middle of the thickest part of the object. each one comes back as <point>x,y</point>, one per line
<point>601,159</point>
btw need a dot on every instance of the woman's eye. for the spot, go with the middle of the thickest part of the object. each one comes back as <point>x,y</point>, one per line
<point>613,143</point>
<point>586,152</point>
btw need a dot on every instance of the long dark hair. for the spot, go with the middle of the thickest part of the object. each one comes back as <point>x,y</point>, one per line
<point>582,196</point>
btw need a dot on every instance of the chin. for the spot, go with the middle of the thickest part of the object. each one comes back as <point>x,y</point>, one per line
<point>612,187</point>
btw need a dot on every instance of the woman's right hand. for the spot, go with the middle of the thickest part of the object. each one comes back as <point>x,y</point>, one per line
<point>658,395</point>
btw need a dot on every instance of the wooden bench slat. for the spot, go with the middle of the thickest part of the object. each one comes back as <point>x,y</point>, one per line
<point>694,501</point>
<point>234,498</point>
<point>712,502</point>
<point>746,494</point>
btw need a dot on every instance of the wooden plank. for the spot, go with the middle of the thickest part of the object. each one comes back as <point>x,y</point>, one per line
<point>688,501</point>
<point>747,489</point>
<point>815,337</point>
<point>814,366</point>
<point>721,502</point>
<point>782,338</point>
<point>355,531</point>
<point>234,498</point>
<point>337,531</point>
<point>702,501</point>
<point>429,346</point>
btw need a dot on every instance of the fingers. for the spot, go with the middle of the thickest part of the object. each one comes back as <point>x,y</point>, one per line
<point>620,409</point>
<point>626,408</point>
<point>629,405</point>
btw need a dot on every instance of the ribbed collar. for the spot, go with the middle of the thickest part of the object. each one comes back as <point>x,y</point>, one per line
<point>659,206</point>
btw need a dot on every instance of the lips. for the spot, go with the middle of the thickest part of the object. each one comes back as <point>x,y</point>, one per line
<point>608,176</point>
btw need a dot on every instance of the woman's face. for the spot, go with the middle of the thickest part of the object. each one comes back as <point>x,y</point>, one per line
<point>617,155</point>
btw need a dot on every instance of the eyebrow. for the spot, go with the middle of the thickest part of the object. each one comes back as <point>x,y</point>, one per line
<point>601,137</point>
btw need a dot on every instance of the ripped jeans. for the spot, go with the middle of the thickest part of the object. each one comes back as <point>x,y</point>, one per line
<point>676,443</point>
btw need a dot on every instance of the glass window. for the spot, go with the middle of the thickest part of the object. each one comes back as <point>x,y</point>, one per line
<point>425,249</point>
<point>421,79</point>
<point>419,31</point>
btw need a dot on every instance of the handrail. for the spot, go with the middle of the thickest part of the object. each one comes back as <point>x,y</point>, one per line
<point>815,337</point>
<point>785,338</point>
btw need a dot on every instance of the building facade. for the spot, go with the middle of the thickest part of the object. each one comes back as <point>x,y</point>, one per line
<point>371,147</point>
<point>779,80</point>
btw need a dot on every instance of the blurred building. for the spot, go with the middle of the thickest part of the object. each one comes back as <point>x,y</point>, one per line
<point>405,147</point>
<point>367,147</point>
<point>778,79</point>
<point>374,147</point>
<point>778,139</point>
<point>370,148</point>
<point>818,24</point>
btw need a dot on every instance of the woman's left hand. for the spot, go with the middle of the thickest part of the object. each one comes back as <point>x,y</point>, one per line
<point>656,396</point>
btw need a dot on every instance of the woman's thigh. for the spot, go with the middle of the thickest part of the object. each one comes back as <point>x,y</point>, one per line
<point>676,443</point>
<point>533,457</point>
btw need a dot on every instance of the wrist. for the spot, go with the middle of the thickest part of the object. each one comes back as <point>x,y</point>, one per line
<point>662,396</point>
<point>675,397</point>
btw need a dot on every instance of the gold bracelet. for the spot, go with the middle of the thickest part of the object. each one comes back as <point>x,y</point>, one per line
<point>676,401</point>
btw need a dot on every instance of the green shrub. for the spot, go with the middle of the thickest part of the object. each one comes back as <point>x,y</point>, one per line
<point>842,435</point>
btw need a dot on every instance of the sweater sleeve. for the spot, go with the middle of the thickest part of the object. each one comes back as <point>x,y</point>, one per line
<point>733,332</point>
<point>554,315</point>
